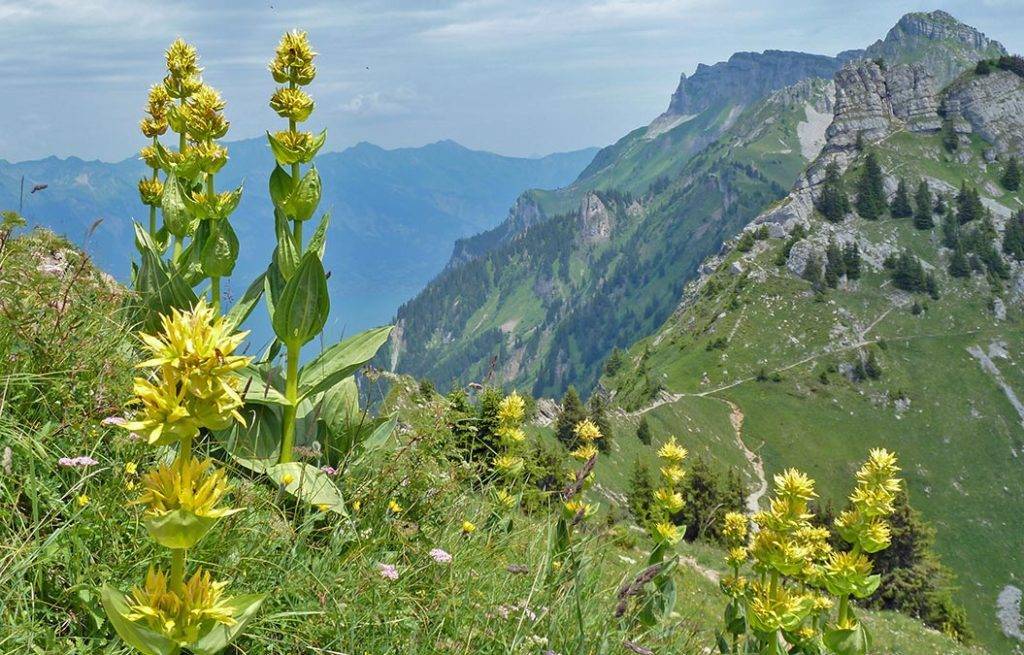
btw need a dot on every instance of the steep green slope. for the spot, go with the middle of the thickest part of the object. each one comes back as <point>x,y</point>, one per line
<point>788,354</point>
<point>549,305</point>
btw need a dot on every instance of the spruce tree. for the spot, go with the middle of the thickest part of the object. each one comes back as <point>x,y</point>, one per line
<point>1013,238</point>
<point>643,431</point>
<point>835,267</point>
<point>833,202</point>
<point>1011,176</point>
<point>923,207</point>
<point>614,363</point>
<point>851,260</point>
<point>702,510</point>
<point>908,274</point>
<point>572,413</point>
<point>900,205</point>
<point>871,190</point>
<point>940,204</point>
<point>599,416</point>
<point>968,204</point>
<point>958,266</point>
<point>640,493</point>
<point>950,230</point>
<point>812,271</point>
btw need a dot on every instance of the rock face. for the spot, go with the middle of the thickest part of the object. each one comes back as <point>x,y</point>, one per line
<point>595,220</point>
<point>992,106</point>
<point>941,43</point>
<point>872,101</point>
<point>523,214</point>
<point>747,76</point>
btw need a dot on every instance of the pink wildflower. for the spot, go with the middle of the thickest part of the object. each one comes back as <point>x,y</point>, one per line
<point>82,461</point>
<point>388,571</point>
<point>113,420</point>
<point>440,556</point>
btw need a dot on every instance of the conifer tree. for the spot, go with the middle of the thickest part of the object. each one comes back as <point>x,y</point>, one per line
<point>572,413</point>
<point>958,266</point>
<point>640,493</point>
<point>643,431</point>
<point>599,416</point>
<point>614,363</point>
<point>923,207</point>
<point>968,204</point>
<point>812,271</point>
<point>1013,238</point>
<point>833,202</point>
<point>900,205</point>
<point>871,190</point>
<point>835,267</point>
<point>851,260</point>
<point>1011,176</point>
<point>950,230</point>
<point>940,204</point>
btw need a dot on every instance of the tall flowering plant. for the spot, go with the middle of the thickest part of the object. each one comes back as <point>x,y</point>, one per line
<point>798,598</point>
<point>194,389</point>
<point>575,508</point>
<point>508,462</point>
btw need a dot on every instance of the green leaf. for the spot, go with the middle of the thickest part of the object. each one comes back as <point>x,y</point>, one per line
<point>854,641</point>
<point>137,636</point>
<point>241,309</point>
<point>341,360</point>
<point>302,310</point>
<point>243,609</point>
<point>260,387</point>
<point>172,202</point>
<point>256,444</point>
<point>220,251</point>
<point>318,241</point>
<point>178,528</point>
<point>280,186</point>
<point>303,200</point>
<point>286,255</point>
<point>310,485</point>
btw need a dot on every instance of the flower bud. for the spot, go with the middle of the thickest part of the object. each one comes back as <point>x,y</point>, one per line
<point>151,191</point>
<point>293,59</point>
<point>293,104</point>
<point>149,155</point>
<point>152,127</point>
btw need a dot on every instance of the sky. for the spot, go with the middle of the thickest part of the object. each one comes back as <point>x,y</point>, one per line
<point>521,77</point>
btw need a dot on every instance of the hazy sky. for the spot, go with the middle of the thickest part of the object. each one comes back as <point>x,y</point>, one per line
<point>518,77</point>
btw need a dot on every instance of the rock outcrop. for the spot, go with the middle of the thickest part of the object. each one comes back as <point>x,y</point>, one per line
<point>990,105</point>
<point>595,220</point>
<point>524,214</point>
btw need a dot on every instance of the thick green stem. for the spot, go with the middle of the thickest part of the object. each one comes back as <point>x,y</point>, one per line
<point>844,609</point>
<point>176,253</point>
<point>297,228</point>
<point>178,570</point>
<point>214,280</point>
<point>291,393</point>
<point>152,221</point>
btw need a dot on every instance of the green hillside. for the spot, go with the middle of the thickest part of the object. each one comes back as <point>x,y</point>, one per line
<point>786,352</point>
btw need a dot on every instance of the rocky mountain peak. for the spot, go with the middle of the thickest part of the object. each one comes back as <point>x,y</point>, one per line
<point>745,77</point>
<point>938,41</point>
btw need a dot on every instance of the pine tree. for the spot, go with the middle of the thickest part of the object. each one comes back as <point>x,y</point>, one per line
<point>1013,238</point>
<point>833,202</point>
<point>923,207</point>
<point>958,266</point>
<point>950,230</point>
<point>812,271</point>
<point>643,431</point>
<point>908,274</point>
<point>1011,176</point>
<point>871,190</point>
<point>703,501</point>
<point>835,267</point>
<point>572,413</point>
<point>851,260</point>
<point>872,368</point>
<point>614,363</point>
<point>968,204</point>
<point>599,416</point>
<point>640,493</point>
<point>900,205</point>
<point>940,204</point>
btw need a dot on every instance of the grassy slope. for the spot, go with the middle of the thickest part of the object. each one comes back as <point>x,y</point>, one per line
<point>958,438</point>
<point>326,594</point>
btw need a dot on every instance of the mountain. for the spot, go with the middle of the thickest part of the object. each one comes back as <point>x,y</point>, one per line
<point>395,213</point>
<point>540,300</point>
<point>912,354</point>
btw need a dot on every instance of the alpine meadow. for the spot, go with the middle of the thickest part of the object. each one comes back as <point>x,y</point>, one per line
<point>748,380</point>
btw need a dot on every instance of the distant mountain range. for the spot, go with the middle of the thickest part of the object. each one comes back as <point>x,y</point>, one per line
<point>395,213</point>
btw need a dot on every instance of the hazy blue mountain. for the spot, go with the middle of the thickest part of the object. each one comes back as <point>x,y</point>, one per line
<point>396,213</point>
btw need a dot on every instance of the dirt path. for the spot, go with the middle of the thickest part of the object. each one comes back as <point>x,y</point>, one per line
<point>755,496</point>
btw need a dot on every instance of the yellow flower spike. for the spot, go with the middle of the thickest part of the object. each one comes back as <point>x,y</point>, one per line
<point>468,527</point>
<point>735,528</point>
<point>674,475</point>
<point>510,466</point>
<point>182,59</point>
<point>209,156</point>
<point>196,489</point>
<point>671,500</point>
<point>667,533</point>
<point>512,409</point>
<point>151,191</point>
<point>850,573</point>
<point>293,59</point>
<point>202,115</point>
<point>505,499</point>
<point>586,431</point>
<point>792,484</point>
<point>672,452</point>
<point>584,452</point>
<point>184,617</point>
<point>737,556</point>
<point>511,436</point>
<point>293,104</point>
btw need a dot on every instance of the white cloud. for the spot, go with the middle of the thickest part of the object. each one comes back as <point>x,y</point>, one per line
<point>380,103</point>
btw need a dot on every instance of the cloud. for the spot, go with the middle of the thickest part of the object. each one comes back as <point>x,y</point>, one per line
<point>399,102</point>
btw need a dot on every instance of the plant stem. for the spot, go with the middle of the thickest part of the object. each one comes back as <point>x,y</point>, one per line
<point>176,255</point>
<point>214,280</point>
<point>844,609</point>
<point>291,392</point>
<point>178,570</point>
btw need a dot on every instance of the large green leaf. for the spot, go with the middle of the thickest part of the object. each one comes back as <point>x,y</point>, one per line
<point>243,608</point>
<point>286,255</point>
<point>302,310</point>
<point>179,528</point>
<point>309,484</point>
<point>280,186</point>
<point>135,635</point>
<point>241,309</point>
<point>305,197</point>
<point>220,251</point>
<point>341,360</point>
<point>159,286</point>
<point>260,386</point>
<point>176,216</point>
<point>318,241</point>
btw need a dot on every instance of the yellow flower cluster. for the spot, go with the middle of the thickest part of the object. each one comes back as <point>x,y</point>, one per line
<point>183,615</point>
<point>193,486</point>
<point>508,462</point>
<point>157,104</point>
<point>183,71</point>
<point>668,499</point>
<point>196,385</point>
<point>587,433</point>
<point>293,65</point>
